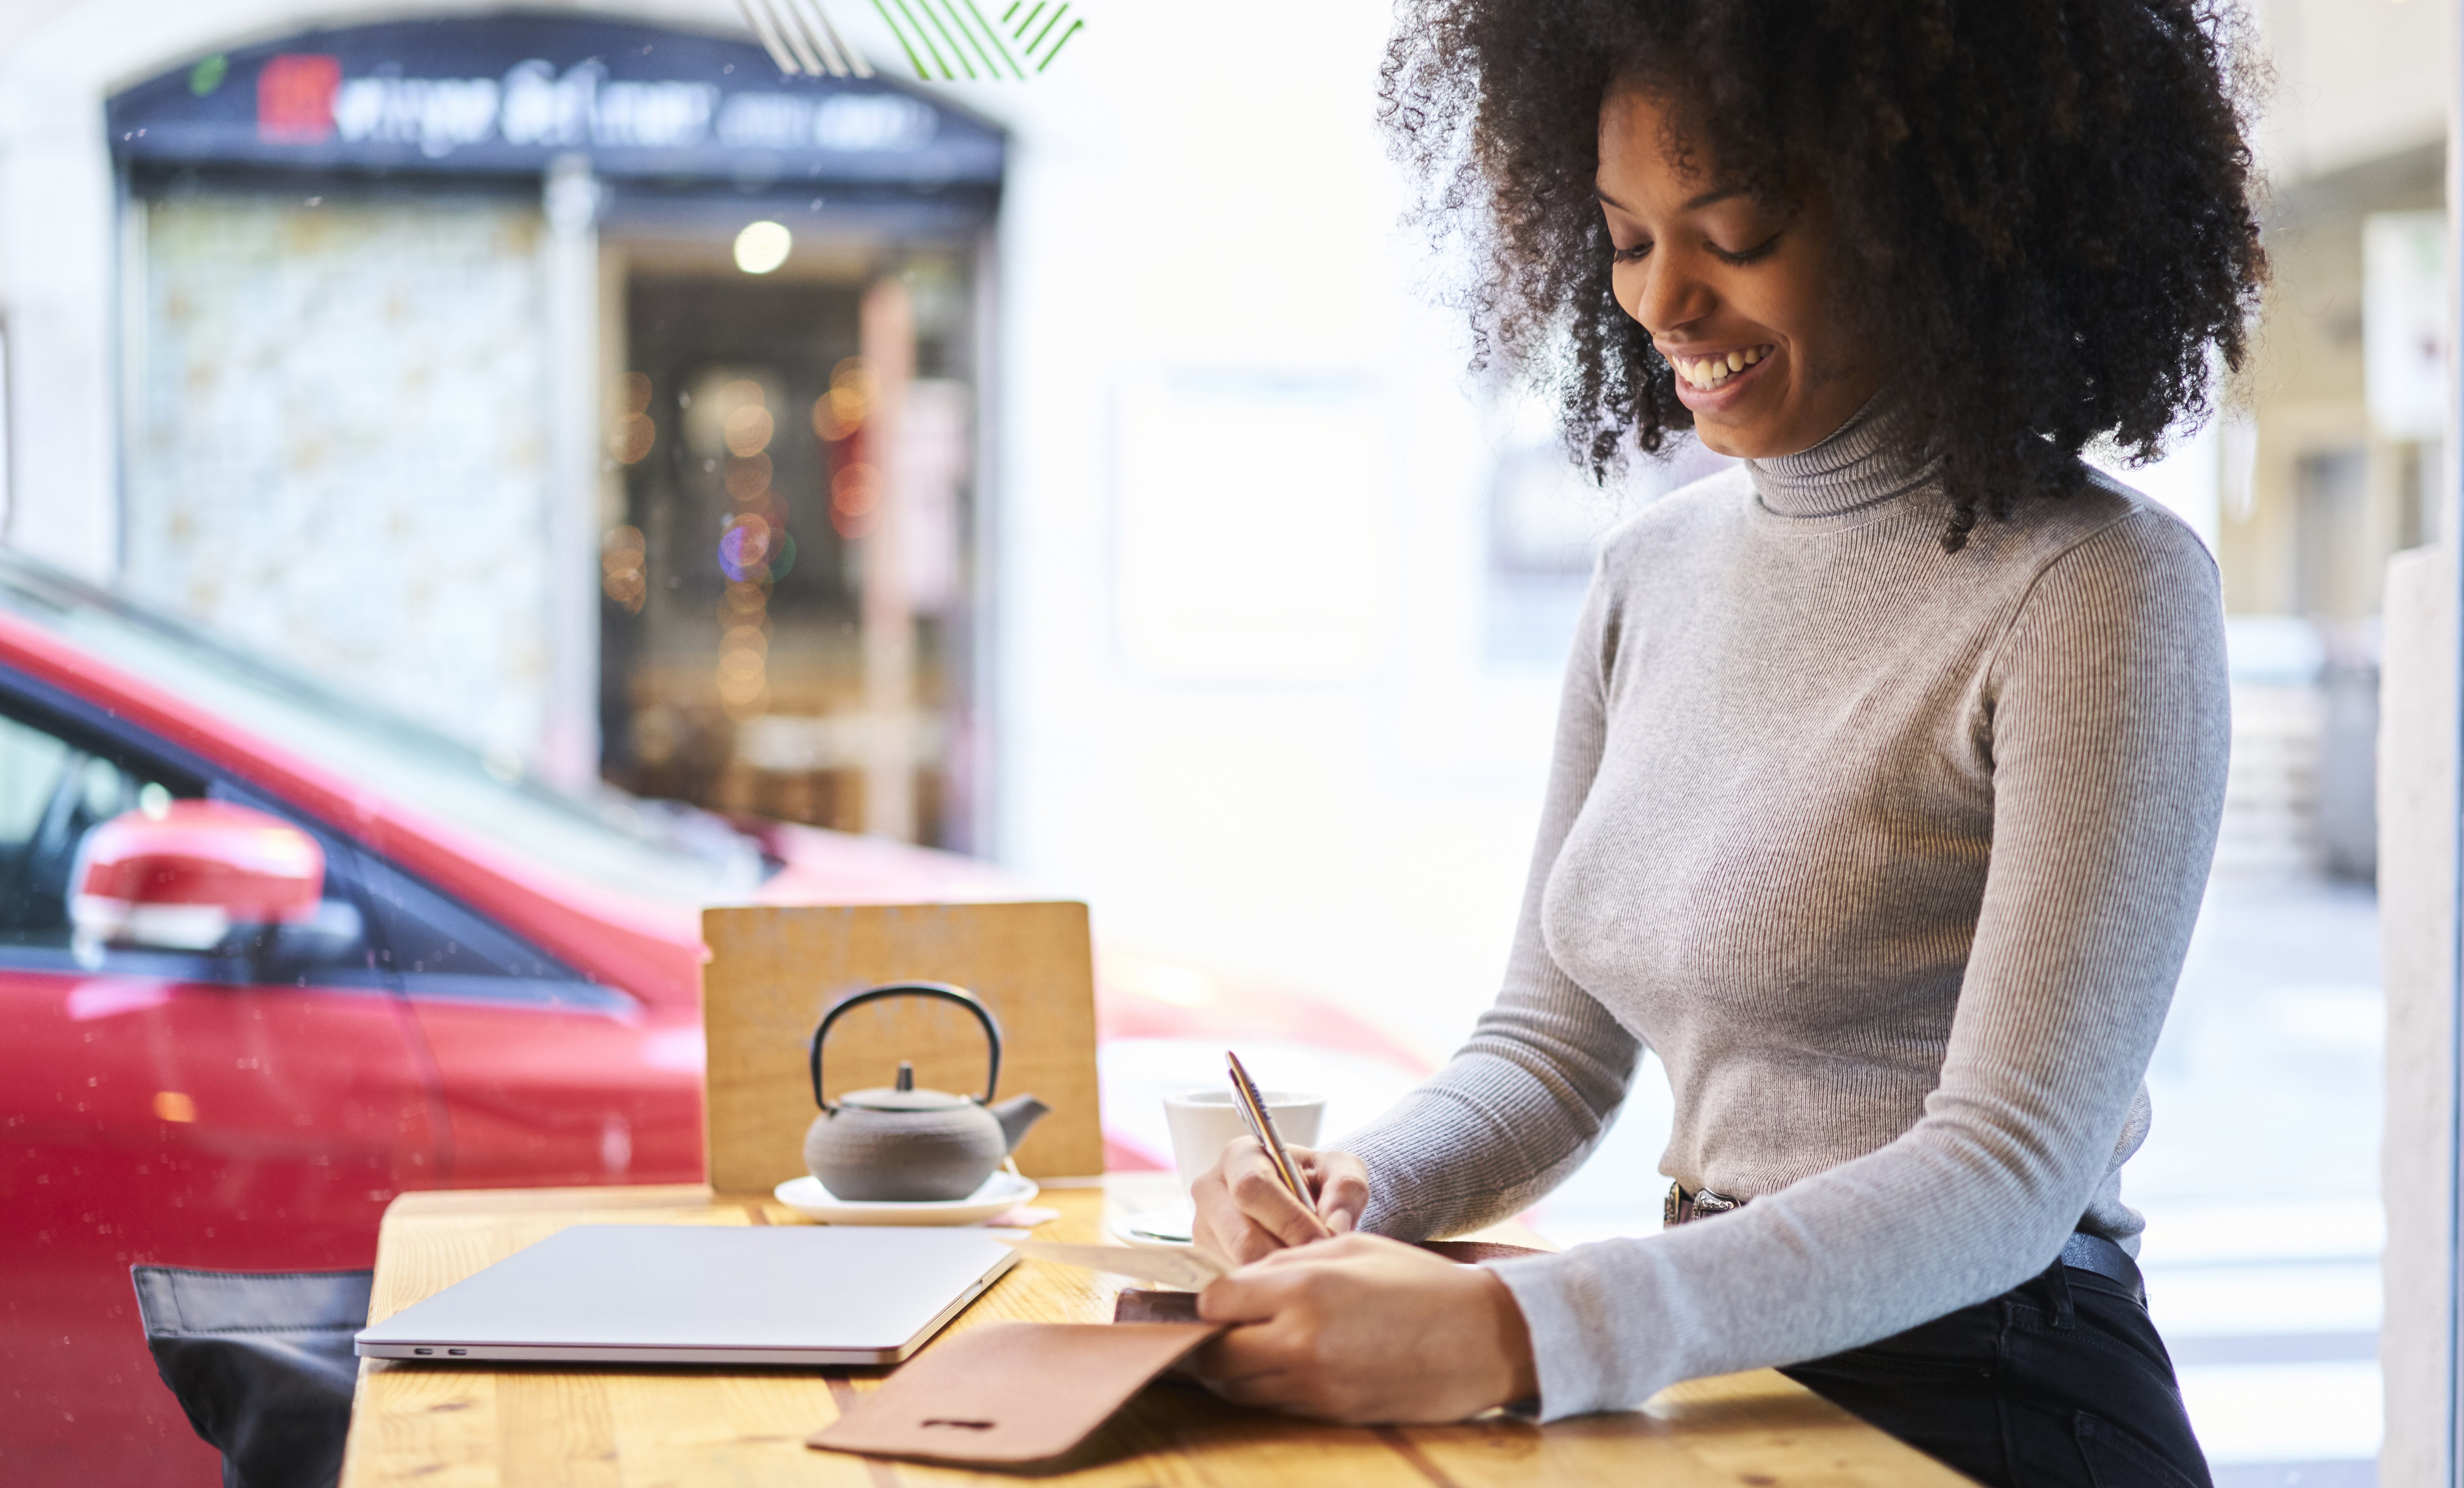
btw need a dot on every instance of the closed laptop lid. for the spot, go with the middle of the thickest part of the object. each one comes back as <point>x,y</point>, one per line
<point>799,1294</point>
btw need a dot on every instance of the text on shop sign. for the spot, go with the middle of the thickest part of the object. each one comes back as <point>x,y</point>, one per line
<point>304,99</point>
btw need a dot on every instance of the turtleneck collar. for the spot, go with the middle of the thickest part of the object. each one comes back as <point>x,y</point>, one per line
<point>1861,464</point>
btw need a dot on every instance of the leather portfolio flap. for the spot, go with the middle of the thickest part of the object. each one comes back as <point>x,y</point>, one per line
<point>1010,1394</point>
<point>1143,1307</point>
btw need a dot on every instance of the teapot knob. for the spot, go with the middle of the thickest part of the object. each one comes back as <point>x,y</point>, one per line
<point>905,1076</point>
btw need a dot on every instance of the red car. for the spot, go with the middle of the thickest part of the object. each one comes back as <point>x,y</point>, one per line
<point>487,984</point>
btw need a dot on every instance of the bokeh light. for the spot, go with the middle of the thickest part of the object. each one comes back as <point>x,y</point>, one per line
<point>744,550</point>
<point>623,567</point>
<point>748,430</point>
<point>840,412</point>
<point>634,433</point>
<point>855,499</point>
<point>634,438</point>
<point>744,673</point>
<point>748,478</point>
<point>763,245</point>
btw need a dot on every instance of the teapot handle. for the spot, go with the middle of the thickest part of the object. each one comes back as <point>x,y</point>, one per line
<point>943,989</point>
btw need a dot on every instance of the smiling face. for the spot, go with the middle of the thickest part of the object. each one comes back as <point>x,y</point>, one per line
<point>1734,293</point>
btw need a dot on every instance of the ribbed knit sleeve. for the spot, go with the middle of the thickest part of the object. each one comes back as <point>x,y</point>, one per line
<point>1530,1093</point>
<point>2101,719</point>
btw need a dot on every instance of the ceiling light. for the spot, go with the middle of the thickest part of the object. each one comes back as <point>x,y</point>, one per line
<point>761,247</point>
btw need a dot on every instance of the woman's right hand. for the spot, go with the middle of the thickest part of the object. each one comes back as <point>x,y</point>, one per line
<point>1244,1212</point>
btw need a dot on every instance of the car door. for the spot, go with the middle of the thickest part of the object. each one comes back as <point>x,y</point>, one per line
<point>548,1077</point>
<point>230,1112</point>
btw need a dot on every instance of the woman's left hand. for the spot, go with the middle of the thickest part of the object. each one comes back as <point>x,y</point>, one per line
<point>1361,1328</point>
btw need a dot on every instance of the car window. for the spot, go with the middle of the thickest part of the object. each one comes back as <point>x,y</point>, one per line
<point>32,763</point>
<point>58,781</point>
<point>376,927</point>
<point>436,948</point>
<point>52,794</point>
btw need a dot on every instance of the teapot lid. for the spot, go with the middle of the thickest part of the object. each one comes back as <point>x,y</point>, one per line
<point>905,1097</point>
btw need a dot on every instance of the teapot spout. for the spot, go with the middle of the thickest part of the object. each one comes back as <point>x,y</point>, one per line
<point>1016,1115</point>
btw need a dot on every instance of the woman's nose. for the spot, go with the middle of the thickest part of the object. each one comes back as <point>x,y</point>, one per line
<point>1671,295</point>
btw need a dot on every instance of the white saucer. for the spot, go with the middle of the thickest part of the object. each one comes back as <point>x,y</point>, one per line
<point>1002,1191</point>
<point>1127,1228</point>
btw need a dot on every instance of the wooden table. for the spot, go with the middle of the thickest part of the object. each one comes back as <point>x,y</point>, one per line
<point>526,1426</point>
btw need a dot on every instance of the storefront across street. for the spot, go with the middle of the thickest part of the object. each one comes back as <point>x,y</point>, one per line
<point>590,390</point>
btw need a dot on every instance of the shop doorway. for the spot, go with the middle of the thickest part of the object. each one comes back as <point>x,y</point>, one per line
<point>786,627</point>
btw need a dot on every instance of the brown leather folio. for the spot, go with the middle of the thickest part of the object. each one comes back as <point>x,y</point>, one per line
<point>1016,1394</point>
<point>1010,1394</point>
<point>1155,1306</point>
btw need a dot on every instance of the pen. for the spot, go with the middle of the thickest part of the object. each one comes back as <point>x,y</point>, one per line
<point>1260,1122</point>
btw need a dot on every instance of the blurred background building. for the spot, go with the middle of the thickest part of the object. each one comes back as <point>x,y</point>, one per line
<point>1081,472</point>
<point>578,383</point>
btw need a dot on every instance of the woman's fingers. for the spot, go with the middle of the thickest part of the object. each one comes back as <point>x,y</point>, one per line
<point>1222,1223</point>
<point>1259,1191</point>
<point>1217,1223</point>
<point>1342,1184</point>
<point>1247,1365</point>
<point>1245,1212</point>
<point>1247,1242</point>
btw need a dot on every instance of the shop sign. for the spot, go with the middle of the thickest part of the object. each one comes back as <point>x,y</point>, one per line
<point>502,94</point>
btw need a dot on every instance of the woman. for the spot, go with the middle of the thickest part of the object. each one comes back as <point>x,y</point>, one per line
<point>1888,766</point>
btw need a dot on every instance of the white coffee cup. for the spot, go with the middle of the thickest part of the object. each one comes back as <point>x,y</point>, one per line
<point>1203,1122</point>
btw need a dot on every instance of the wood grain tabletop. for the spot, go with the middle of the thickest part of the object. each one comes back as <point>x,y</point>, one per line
<point>641,1426</point>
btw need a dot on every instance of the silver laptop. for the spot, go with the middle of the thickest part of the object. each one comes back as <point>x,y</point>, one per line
<point>705,1294</point>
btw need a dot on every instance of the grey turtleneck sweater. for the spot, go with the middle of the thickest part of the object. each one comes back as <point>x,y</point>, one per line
<point>1892,854</point>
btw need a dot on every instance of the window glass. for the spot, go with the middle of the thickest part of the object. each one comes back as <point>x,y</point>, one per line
<point>52,794</point>
<point>433,947</point>
<point>31,765</point>
<point>58,784</point>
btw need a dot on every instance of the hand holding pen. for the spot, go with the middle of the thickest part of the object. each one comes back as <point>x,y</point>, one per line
<point>1262,1196</point>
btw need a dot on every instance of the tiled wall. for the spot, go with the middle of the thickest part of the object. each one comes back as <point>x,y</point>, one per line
<point>337,446</point>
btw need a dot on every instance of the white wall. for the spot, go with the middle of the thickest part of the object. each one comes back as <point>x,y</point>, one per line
<point>2352,79</point>
<point>1191,195</point>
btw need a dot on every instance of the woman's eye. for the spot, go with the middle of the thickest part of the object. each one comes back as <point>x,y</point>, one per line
<point>1761,250</point>
<point>1634,254</point>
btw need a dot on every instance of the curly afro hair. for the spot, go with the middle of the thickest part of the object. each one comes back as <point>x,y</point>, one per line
<point>2042,210</point>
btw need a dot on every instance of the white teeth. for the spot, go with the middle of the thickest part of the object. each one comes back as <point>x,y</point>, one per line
<point>1708,372</point>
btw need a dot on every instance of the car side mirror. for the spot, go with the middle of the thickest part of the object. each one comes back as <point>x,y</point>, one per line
<point>184,877</point>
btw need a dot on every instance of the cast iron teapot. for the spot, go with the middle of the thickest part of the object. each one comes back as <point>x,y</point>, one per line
<point>910,1145</point>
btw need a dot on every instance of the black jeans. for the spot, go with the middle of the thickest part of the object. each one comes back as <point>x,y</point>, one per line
<point>2060,1380</point>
